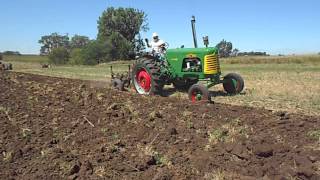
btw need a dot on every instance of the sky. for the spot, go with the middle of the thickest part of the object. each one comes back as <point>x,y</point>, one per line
<point>274,26</point>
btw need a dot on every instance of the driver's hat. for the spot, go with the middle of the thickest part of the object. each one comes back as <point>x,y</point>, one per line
<point>155,35</point>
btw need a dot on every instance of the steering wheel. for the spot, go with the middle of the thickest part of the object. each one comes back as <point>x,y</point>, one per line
<point>165,46</point>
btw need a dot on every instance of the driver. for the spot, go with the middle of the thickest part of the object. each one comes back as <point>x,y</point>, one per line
<point>157,45</point>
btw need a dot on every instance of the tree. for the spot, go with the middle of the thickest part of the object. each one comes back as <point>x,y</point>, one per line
<point>0,56</point>
<point>78,41</point>
<point>224,48</point>
<point>125,24</point>
<point>76,57</point>
<point>235,52</point>
<point>139,44</point>
<point>95,52</point>
<point>9,53</point>
<point>117,47</point>
<point>59,55</point>
<point>50,42</point>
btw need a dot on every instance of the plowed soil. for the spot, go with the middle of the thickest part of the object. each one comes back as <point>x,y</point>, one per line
<point>53,128</point>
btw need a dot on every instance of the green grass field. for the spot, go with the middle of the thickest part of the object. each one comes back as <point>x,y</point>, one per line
<point>26,58</point>
<point>289,83</point>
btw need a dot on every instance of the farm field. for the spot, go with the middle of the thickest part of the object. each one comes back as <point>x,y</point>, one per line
<point>127,90</point>
<point>286,83</point>
<point>56,128</point>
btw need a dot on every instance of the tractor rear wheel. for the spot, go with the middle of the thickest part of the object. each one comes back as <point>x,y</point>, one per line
<point>199,92</point>
<point>146,77</point>
<point>233,83</point>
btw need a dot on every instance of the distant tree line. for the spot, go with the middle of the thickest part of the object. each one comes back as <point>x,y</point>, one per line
<point>118,38</point>
<point>11,53</point>
<point>59,47</point>
<point>225,49</point>
<point>252,53</point>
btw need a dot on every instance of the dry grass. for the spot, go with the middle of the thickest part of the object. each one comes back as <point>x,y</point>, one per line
<point>286,87</point>
<point>7,156</point>
<point>228,132</point>
<point>26,58</point>
<point>99,72</point>
<point>220,174</point>
<point>301,59</point>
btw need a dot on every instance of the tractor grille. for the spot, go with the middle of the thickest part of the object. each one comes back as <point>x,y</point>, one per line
<point>211,64</point>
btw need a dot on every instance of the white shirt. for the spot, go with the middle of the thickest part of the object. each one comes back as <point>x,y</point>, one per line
<point>156,46</point>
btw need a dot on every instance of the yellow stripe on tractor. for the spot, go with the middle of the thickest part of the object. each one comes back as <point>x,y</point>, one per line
<point>211,64</point>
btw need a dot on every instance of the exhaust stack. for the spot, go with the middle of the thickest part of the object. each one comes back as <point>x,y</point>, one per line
<point>193,25</point>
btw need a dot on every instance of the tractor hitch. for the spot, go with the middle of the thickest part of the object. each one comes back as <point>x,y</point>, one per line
<point>120,81</point>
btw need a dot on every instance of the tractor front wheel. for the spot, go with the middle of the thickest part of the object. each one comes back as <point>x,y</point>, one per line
<point>199,92</point>
<point>233,83</point>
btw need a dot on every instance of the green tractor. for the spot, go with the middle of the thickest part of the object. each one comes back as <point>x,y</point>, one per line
<point>193,69</point>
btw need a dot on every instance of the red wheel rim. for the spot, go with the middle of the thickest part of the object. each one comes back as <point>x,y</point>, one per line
<point>194,96</point>
<point>144,79</point>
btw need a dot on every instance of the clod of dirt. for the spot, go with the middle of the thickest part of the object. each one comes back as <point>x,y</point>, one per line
<point>73,177</point>
<point>57,150</point>
<point>86,169</point>
<point>82,86</point>
<point>265,177</point>
<point>301,124</point>
<point>118,111</point>
<point>74,169</point>
<point>263,151</point>
<point>26,149</point>
<point>115,106</point>
<point>145,162</point>
<point>312,158</point>
<point>163,174</point>
<point>305,172</point>
<point>303,161</point>
<point>155,114</point>
<point>240,151</point>
<point>228,147</point>
<point>17,154</point>
<point>151,161</point>
<point>283,115</point>
<point>173,131</point>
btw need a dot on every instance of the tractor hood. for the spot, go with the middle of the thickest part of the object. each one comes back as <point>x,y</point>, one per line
<point>196,51</point>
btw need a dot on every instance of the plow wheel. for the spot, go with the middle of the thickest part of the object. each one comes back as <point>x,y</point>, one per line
<point>199,92</point>
<point>146,77</point>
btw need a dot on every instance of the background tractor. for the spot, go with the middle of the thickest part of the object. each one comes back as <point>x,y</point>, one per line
<point>193,69</point>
